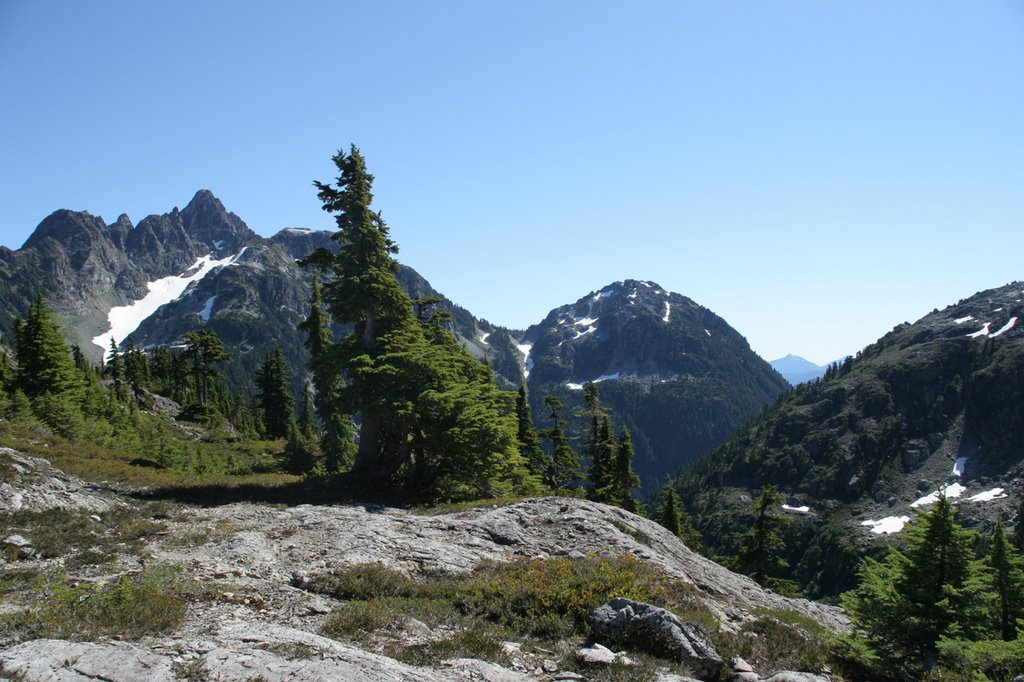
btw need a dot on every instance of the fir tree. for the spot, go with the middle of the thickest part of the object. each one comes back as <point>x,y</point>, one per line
<point>563,465</point>
<point>44,361</point>
<point>1007,583</point>
<point>274,397</point>
<point>429,413</point>
<point>115,370</point>
<point>905,603</point>
<point>364,292</point>
<point>337,441</point>
<point>623,479</point>
<point>306,421</point>
<point>672,516</point>
<point>602,467</point>
<point>529,442</point>
<point>760,547</point>
<point>204,349</point>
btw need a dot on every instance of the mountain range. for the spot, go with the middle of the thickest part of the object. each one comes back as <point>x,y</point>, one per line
<point>672,371</point>
<point>937,405</point>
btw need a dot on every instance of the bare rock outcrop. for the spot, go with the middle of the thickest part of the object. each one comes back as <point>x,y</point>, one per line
<point>32,484</point>
<point>258,618</point>
<point>657,631</point>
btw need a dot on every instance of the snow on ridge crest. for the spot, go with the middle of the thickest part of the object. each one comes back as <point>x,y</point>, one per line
<point>126,319</point>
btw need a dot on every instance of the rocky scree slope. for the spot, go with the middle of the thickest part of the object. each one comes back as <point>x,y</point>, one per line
<point>254,560</point>
<point>671,370</point>
<point>938,404</point>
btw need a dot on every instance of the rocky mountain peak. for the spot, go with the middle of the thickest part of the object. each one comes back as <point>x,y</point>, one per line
<point>208,222</point>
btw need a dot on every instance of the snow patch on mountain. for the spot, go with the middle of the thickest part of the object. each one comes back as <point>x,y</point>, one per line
<point>961,320</point>
<point>988,495</point>
<point>1005,328</point>
<point>668,311</point>
<point>525,347</point>
<point>802,509</point>
<point>959,466</point>
<point>204,314</point>
<point>888,525</point>
<point>951,492</point>
<point>984,331</point>
<point>126,319</point>
<point>604,377</point>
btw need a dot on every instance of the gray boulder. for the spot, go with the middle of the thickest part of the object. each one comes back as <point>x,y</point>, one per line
<point>656,631</point>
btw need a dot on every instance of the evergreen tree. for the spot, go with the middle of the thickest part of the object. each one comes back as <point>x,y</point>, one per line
<point>429,413</point>
<point>364,292</point>
<point>760,547</point>
<point>298,455</point>
<point>529,442</point>
<point>337,441</point>
<point>274,397</point>
<point>623,479</point>
<point>44,361</point>
<point>672,516</point>
<point>905,603</point>
<point>1007,583</point>
<point>204,349</point>
<point>1018,527</point>
<point>136,368</point>
<point>306,422</point>
<point>602,466</point>
<point>563,465</point>
<point>115,370</point>
<point>670,511</point>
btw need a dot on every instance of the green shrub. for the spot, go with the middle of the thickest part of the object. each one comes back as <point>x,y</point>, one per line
<point>131,607</point>
<point>994,660</point>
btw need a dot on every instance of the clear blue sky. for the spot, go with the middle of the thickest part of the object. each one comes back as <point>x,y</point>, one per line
<point>814,172</point>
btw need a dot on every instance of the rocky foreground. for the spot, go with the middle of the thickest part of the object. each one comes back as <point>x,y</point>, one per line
<point>257,559</point>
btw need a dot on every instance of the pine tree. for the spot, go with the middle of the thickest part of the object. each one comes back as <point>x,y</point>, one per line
<point>115,370</point>
<point>672,516</point>
<point>670,511</point>
<point>44,360</point>
<point>1018,527</point>
<point>1007,578</point>
<point>563,465</point>
<point>905,603</point>
<point>274,397</point>
<point>623,479</point>
<point>602,467</point>
<point>204,349</point>
<point>136,369</point>
<point>364,292</point>
<point>529,442</point>
<point>306,422</point>
<point>337,441</point>
<point>760,547</point>
<point>430,415</point>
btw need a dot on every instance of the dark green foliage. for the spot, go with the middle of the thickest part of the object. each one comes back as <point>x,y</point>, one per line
<point>428,412</point>
<point>761,546</point>
<point>44,360</point>
<point>298,453</point>
<point>562,469</point>
<point>602,464</point>
<point>274,396</point>
<point>623,480</point>
<point>204,349</point>
<point>908,602</point>
<point>672,516</point>
<point>131,607</point>
<point>1007,583</point>
<point>336,440</point>
<point>529,441</point>
<point>115,370</point>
